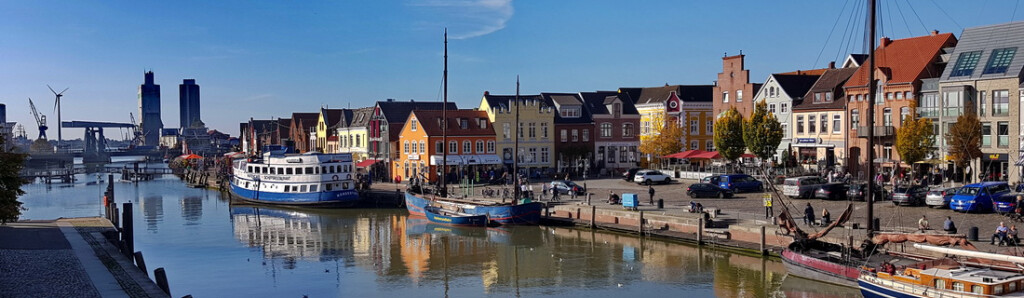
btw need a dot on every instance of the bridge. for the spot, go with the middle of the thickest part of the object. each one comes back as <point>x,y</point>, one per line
<point>95,148</point>
<point>66,175</point>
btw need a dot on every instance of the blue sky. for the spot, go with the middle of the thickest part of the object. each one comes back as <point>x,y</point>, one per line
<point>269,59</point>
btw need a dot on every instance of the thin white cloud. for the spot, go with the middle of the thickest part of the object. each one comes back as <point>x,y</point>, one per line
<point>468,18</point>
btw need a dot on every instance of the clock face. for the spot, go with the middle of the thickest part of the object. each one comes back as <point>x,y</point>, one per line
<point>673,104</point>
<point>508,155</point>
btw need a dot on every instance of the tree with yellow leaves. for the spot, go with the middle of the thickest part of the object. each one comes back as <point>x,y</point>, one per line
<point>914,138</point>
<point>729,135</point>
<point>663,139</point>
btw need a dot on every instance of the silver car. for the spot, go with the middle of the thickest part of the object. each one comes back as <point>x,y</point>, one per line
<point>939,198</point>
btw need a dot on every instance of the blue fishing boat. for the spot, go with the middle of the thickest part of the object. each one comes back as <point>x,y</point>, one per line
<point>501,213</point>
<point>311,179</point>
<point>448,217</point>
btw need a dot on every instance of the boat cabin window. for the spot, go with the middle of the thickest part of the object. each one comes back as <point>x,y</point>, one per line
<point>331,167</point>
<point>309,170</point>
<point>249,168</point>
<point>940,283</point>
<point>997,290</point>
<point>977,289</point>
<point>302,188</point>
<point>323,169</point>
<point>1013,287</point>
<point>328,187</point>
<point>288,171</point>
<point>287,188</point>
<point>313,188</point>
<point>958,286</point>
<point>247,184</point>
<point>344,185</point>
<point>298,171</point>
<point>317,169</point>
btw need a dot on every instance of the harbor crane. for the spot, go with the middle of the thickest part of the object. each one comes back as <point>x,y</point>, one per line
<point>40,120</point>
<point>136,131</point>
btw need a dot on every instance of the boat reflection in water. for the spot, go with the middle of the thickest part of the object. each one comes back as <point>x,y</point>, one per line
<point>412,256</point>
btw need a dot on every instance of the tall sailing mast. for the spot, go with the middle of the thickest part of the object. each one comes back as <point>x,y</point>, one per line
<point>871,120</point>
<point>515,148</point>
<point>444,122</point>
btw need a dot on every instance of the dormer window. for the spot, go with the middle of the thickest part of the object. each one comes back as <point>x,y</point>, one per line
<point>570,112</point>
<point>463,123</point>
<point>616,110</point>
<point>483,123</point>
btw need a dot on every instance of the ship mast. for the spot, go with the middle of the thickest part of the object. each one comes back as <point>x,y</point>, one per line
<point>515,148</point>
<point>444,122</point>
<point>871,120</point>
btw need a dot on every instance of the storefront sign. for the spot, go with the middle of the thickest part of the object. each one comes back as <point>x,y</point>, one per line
<point>997,156</point>
<point>414,157</point>
<point>808,140</point>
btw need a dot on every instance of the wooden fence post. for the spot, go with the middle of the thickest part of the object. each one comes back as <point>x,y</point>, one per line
<point>127,229</point>
<point>762,240</point>
<point>700,231</point>
<point>141,263</point>
<point>161,280</point>
<point>640,225</point>
<point>593,217</point>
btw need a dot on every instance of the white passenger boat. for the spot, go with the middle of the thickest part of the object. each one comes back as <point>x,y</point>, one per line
<point>312,179</point>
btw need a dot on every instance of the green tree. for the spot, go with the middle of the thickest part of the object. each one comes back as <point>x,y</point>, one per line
<point>964,138</point>
<point>729,135</point>
<point>10,182</point>
<point>762,133</point>
<point>914,138</point>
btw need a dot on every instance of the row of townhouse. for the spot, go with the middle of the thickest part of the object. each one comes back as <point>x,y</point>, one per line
<point>824,114</point>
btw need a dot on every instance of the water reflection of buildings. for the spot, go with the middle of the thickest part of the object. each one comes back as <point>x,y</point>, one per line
<point>152,211</point>
<point>289,234</point>
<point>192,210</point>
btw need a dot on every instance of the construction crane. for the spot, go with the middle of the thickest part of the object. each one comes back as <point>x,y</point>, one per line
<point>139,136</point>
<point>40,120</point>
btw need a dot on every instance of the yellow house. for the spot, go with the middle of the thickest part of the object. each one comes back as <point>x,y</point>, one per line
<point>688,106</point>
<point>326,138</point>
<point>352,133</point>
<point>536,129</point>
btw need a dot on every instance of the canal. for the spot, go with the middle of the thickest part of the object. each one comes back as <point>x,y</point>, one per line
<point>211,248</point>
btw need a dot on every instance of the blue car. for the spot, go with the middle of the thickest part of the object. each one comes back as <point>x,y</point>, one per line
<point>739,183</point>
<point>1006,203</point>
<point>978,197</point>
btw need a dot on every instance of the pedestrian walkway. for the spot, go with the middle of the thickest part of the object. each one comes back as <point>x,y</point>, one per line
<point>62,258</point>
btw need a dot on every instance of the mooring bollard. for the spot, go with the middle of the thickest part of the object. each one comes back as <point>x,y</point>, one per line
<point>593,217</point>
<point>762,241</point>
<point>700,231</point>
<point>161,280</point>
<point>577,213</point>
<point>640,225</point>
<point>127,230</point>
<point>141,263</point>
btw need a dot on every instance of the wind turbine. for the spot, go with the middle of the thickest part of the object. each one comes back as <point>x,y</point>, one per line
<point>56,106</point>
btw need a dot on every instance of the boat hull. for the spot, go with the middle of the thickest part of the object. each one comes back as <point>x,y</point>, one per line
<point>522,214</point>
<point>805,266</point>
<point>469,221</point>
<point>871,290</point>
<point>335,199</point>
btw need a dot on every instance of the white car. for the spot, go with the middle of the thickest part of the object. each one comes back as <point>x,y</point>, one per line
<point>650,177</point>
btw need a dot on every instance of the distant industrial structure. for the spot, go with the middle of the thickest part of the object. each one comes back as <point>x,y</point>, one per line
<point>188,94</point>
<point>149,111</point>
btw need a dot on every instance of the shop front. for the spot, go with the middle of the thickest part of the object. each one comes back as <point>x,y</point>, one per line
<point>994,167</point>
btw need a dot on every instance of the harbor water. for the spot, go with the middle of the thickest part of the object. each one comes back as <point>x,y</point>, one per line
<point>212,248</point>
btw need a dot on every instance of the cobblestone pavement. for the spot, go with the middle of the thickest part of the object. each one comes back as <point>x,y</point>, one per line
<point>749,207</point>
<point>36,261</point>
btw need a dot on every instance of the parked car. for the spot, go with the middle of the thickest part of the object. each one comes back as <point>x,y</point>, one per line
<point>1005,203</point>
<point>909,195</point>
<point>740,183</point>
<point>651,177</point>
<point>629,174</point>
<point>939,198</point>
<point>977,197</point>
<point>707,190</point>
<point>801,187</point>
<point>831,191</point>
<point>564,187</point>
<point>857,191</point>
<point>710,179</point>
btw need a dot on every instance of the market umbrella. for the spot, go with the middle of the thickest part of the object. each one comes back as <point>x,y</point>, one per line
<point>190,156</point>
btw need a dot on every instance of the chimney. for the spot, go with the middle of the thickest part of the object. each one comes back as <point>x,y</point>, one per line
<point>486,93</point>
<point>832,65</point>
<point>884,41</point>
<point>934,32</point>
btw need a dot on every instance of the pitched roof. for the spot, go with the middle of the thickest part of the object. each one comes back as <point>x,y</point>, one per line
<point>285,125</point>
<point>648,95</point>
<point>566,100</point>
<point>596,102</point>
<point>307,120</point>
<point>504,101</point>
<point>795,85</point>
<point>430,121</point>
<point>831,81</point>
<point>361,117</point>
<point>905,58</point>
<point>333,117</point>
<point>987,39</point>
<point>810,72</point>
<point>398,111</point>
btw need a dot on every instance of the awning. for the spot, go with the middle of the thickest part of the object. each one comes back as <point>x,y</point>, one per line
<point>685,154</point>
<point>367,163</point>
<point>453,160</point>
<point>482,160</point>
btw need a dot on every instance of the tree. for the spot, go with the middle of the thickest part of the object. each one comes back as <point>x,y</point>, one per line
<point>729,134</point>
<point>762,133</point>
<point>664,138</point>
<point>914,138</point>
<point>10,183</point>
<point>964,138</point>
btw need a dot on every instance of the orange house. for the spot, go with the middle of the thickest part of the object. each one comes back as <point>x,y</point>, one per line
<point>470,146</point>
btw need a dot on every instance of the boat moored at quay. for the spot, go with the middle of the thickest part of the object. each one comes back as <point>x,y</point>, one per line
<point>499,213</point>
<point>309,180</point>
<point>964,273</point>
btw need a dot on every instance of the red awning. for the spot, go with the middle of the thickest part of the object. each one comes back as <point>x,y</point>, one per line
<point>685,154</point>
<point>747,155</point>
<point>707,155</point>
<point>367,163</point>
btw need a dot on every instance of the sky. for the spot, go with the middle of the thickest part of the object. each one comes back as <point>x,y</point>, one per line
<point>268,59</point>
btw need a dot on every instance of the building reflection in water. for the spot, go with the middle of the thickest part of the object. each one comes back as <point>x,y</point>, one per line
<point>507,260</point>
<point>152,211</point>
<point>192,209</point>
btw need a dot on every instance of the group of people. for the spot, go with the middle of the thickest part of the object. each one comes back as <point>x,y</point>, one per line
<point>826,217</point>
<point>1005,236</point>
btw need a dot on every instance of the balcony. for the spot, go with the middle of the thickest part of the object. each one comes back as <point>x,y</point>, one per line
<point>880,131</point>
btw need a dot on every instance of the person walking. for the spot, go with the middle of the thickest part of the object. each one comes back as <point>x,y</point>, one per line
<point>809,215</point>
<point>650,190</point>
<point>768,212</point>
